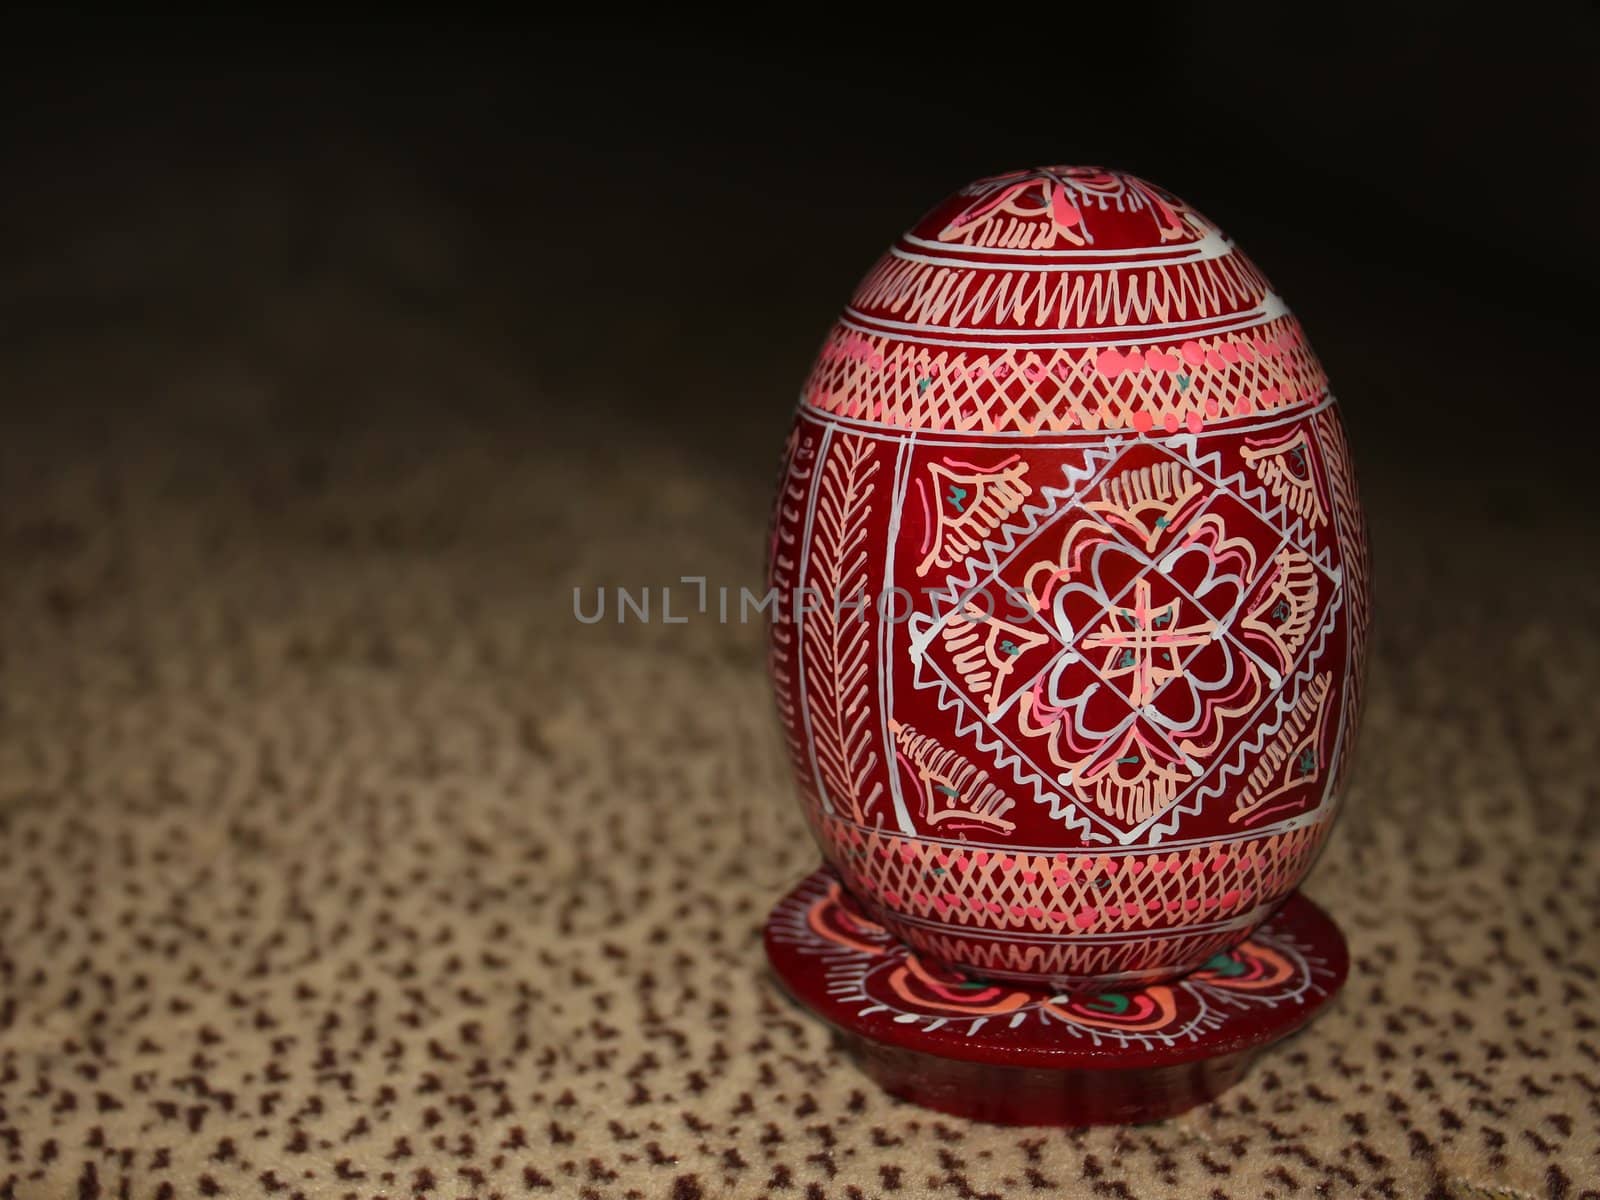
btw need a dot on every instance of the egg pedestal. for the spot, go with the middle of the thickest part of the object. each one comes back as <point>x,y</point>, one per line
<point>1069,603</point>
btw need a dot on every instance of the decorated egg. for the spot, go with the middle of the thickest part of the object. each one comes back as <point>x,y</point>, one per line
<point>1070,587</point>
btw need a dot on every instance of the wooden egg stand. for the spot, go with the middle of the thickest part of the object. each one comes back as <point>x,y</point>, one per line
<point>1020,1055</point>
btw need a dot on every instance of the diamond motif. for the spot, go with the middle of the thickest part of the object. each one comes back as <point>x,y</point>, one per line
<point>1151,613</point>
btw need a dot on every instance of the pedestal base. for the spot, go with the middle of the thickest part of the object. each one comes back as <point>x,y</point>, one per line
<point>1024,1056</point>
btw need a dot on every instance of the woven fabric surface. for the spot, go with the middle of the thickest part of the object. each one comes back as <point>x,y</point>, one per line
<point>338,859</point>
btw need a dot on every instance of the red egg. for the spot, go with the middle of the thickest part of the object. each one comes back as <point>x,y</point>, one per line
<point>1073,587</point>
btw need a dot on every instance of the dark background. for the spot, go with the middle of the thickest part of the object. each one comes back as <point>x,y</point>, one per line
<point>647,235</point>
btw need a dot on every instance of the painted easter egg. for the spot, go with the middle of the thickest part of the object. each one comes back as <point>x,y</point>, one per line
<point>1070,587</point>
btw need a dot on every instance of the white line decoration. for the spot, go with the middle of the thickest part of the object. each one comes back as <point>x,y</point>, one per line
<point>836,636</point>
<point>784,552</point>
